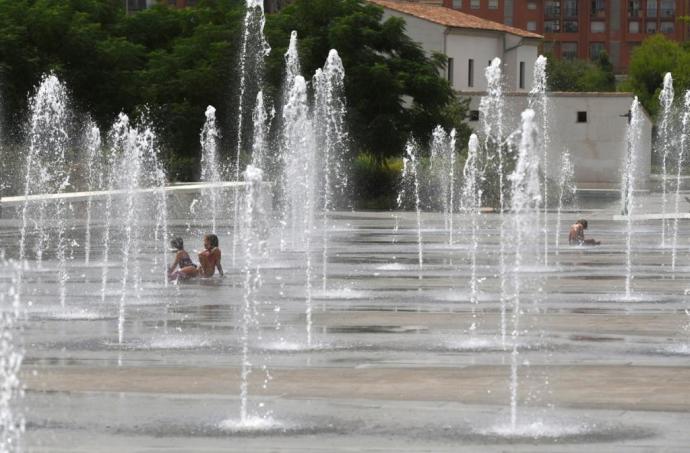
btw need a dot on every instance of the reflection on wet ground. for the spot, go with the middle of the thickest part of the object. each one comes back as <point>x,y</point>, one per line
<point>400,358</point>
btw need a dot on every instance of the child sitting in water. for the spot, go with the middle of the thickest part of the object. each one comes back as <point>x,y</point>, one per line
<point>183,263</point>
<point>209,259</point>
<point>576,236</point>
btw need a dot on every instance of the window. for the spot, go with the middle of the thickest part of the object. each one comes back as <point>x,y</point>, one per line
<point>508,21</point>
<point>595,49</point>
<point>552,26</point>
<point>668,8</point>
<point>634,8</point>
<point>493,4</point>
<point>475,4</point>
<point>522,75</point>
<point>569,50</point>
<point>570,8</point>
<point>548,48</point>
<point>474,115</point>
<point>651,8</point>
<point>470,73</point>
<point>457,4</point>
<point>581,117</point>
<point>599,8</point>
<point>552,9</point>
<point>651,27</point>
<point>597,26</point>
<point>570,26</point>
<point>633,26</point>
<point>531,5</point>
<point>450,71</point>
<point>531,25</point>
<point>667,27</point>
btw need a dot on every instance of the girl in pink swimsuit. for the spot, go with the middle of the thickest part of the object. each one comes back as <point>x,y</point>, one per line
<point>209,259</point>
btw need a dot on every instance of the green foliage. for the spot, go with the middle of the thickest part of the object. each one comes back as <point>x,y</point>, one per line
<point>375,182</point>
<point>650,62</point>
<point>175,61</point>
<point>581,75</point>
<point>393,89</point>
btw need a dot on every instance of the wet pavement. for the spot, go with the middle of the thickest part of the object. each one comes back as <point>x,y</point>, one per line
<point>399,360</point>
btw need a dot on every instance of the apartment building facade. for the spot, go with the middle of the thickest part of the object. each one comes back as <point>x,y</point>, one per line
<point>584,28</point>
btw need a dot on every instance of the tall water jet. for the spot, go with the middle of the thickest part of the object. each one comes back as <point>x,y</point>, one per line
<point>300,166</point>
<point>493,160</point>
<point>292,70</point>
<point>471,202</point>
<point>253,50</point>
<point>666,142</point>
<point>538,101</point>
<point>566,190</point>
<point>633,142</point>
<point>110,185</point>
<point>11,356</point>
<point>331,140</point>
<point>210,164</point>
<point>94,178</point>
<point>128,167</point>
<point>261,128</point>
<point>410,183</point>
<point>525,203</point>
<point>47,172</point>
<point>443,175</point>
<point>253,233</point>
<point>682,153</point>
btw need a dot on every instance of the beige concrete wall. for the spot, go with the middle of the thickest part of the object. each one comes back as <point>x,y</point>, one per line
<point>597,147</point>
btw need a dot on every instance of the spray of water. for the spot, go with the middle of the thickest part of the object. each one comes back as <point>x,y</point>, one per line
<point>471,202</point>
<point>253,50</point>
<point>442,165</point>
<point>525,202</point>
<point>633,141</point>
<point>94,178</point>
<point>538,101</point>
<point>566,191</point>
<point>410,179</point>
<point>665,141</point>
<point>210,164</point>
<point>11,354</point>
<point>682,156</point>
<point>254,231</point>
<point>491,110</point>
<point>331,140</point>
<point>47,171</point>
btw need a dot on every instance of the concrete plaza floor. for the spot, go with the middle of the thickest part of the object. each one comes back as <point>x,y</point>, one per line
<point>400,359</point>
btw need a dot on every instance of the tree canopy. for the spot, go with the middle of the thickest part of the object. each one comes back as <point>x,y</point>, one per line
<point>656,56</point>
<point>172,63</point>
<point>581,75</point>
<point>393,88</point>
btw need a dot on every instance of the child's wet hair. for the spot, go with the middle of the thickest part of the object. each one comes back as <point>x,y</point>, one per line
<point>212,239</point>
<point>582,222</point>
<point>177,243</point>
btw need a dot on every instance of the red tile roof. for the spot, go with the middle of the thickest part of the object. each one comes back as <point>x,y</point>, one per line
<point>451,18</point>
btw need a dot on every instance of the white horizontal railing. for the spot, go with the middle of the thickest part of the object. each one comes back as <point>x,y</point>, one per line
<point>80,196</point>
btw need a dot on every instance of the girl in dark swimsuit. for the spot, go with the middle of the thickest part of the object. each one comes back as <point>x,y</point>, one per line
<point>183,263</point>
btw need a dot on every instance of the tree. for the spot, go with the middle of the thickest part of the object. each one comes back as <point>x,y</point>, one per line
<point>393,88</point>
<point>581,75</point>
<point>656,56</point>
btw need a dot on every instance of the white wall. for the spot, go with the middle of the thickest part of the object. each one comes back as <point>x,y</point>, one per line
<point>428,34</point>
<point>481,46</point>
<point>597,147</point>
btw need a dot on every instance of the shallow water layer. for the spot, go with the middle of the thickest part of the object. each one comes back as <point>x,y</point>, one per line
<point>400,359</point>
